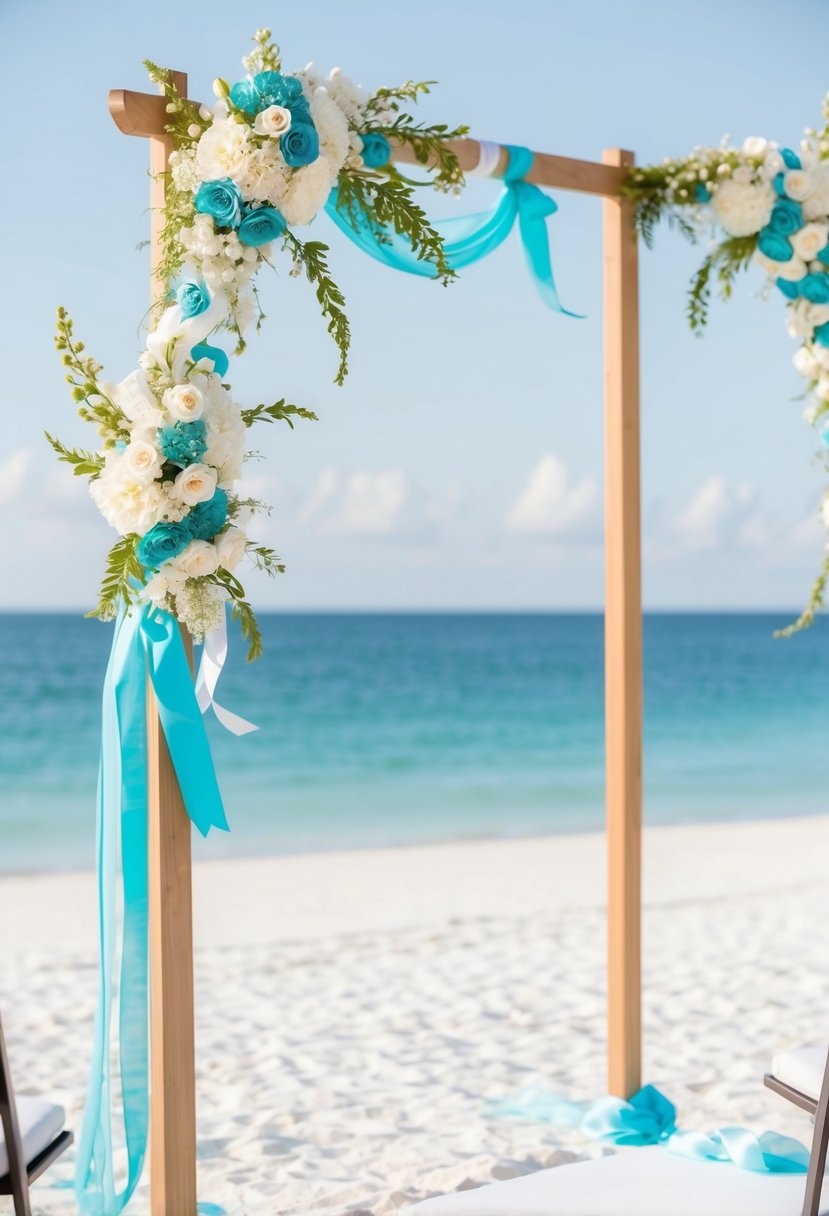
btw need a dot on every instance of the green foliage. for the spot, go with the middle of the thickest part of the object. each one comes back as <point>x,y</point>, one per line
<point>724,263</point>
<point>122,565</point>
<point>279,412</point>
<point>389,203</point>
<point>817,599</point>
<point>431,148</point>
<point>82,373</point>
<point>182,112</point>
<point>311,256</point>
<point>265,559</point>
<point>85,464</point>
<point>241,611</point>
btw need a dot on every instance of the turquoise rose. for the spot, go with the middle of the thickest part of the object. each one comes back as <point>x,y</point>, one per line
<point>790,290</point>
<point>786,217</point>
<point>779,183</point>
<point>275,89</point>
<point>701,193</point>
<point>774,246</point>
<point>823,256</point>
<point>193,298</point>
<point>222,200</point>
<point>815,287</point>
<point>208,518</point>
<point>162,542</point>
<point>260,226</point>
<point>183,443</point>
<point>377,150</point>
<point>300,145</point>
<point>245,97</point>
<point>790,159</point>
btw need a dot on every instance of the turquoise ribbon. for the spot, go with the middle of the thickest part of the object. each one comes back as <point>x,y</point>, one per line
<point>650,1118</point>
<point>146,642</point>
<point>469,238</point>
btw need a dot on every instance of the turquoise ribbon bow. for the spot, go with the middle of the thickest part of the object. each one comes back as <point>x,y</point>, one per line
<point>469,238</point>
<point>146,642</point>
<point>650,1118</point>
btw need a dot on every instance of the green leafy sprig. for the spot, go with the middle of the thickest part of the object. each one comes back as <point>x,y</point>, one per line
<point>122,566</point>
<point>311,256</point>
<point>84,464</point>
<point>389,203</point>
<point>728,259</point>
<point>279,412</point>
<point>83,375</point>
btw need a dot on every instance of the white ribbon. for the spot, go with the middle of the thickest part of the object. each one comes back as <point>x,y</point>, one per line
<point>213,658</point>
<point>488,156</point>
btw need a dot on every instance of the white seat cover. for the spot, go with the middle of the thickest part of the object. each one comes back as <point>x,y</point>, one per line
<point>39,1123</point>
<point>633,1182</point>
<point>802,1068</point>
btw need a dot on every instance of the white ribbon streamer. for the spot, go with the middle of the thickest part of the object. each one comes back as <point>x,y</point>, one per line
<point>213,658</point>
<point>488,156</point>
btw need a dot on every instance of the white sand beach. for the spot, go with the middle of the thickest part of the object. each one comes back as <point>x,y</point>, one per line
<point>356,1010</point>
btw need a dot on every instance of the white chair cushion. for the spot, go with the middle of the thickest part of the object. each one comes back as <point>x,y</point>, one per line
<point>39,1123</point>
<point>633,1182</point>
<point>802,1068</point>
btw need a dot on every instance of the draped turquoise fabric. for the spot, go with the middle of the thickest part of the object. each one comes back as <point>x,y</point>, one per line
<point>146,642</point>
<point>650,1118</point>
<point>469,238</point>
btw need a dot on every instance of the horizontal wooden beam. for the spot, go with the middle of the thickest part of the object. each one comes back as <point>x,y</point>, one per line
<point>145,114</point>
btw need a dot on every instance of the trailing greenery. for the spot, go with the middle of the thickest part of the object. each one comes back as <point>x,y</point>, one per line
<point>265,559</point>
<point>310,255</point>
<point>817,598</point>
<point>241,611</point>
<point>82,374</point>
<point>279,412</point>
<point>728,259</point>
<point>122,566</point>
<point>389,202</point>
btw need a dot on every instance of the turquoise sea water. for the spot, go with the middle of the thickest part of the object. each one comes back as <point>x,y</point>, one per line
<point>393,729</point>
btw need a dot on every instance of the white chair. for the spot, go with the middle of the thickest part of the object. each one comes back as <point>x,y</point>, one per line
<point>31,1137</point>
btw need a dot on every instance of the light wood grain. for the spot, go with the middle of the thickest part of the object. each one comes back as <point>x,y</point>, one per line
<point>623,640</point>
<point>144,114</point>
<point>172,1054</point>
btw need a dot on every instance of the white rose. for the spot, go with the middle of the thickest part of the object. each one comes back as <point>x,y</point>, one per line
<point>755,145</point>
<point>792,271</point>
<point>184,402</point>
<point>230,547</point>
<point>809,240</point>
<point>742,209</point>
<point>127,502</point>
<point>821,355</point>
<point>197,560</point>
<point>803,317</point>
<point>196,483</point>
<point>143,459</point>
<point>306,192</point>
<point>816,205</point>
<point>275,120</point>
<point>797,184</point>
<point>806,363</point>
<point>822,386</point>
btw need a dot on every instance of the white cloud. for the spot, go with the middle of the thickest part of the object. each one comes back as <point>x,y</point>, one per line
<point>370,505</point>
<point>718,516</point>
<point>13,471</point>
<point>549,505</point>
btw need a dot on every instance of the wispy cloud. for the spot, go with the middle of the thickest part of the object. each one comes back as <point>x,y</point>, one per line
<point>13,471</point>
<point>552,505</point>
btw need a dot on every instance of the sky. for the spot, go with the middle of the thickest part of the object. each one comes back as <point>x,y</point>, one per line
<point>462,464</point>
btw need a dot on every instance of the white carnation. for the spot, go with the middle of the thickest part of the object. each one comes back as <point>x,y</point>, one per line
<point>222,150</point>
<point>742,209</point>
<point>816,205</point>
<point>196,483</point>
<point>183,402</point>
<point>306,193</point>
<point>230,547</point>
<point>332,127</point>
<point>128,502</point>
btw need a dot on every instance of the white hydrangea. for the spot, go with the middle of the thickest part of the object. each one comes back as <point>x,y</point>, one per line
<point>742,208</point>
<point>223,150</point>
<point>307,192</point>
<point>184,169</point>
<point>225,433</point>
<point>263,176</point>
<point>332,128</point>
<point>349,96</point>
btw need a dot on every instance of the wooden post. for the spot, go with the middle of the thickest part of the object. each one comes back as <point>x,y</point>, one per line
<point>172,1054</point>
<point>623,640</point>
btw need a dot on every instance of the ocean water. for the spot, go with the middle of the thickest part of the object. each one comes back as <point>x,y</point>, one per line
<point>394,729</point>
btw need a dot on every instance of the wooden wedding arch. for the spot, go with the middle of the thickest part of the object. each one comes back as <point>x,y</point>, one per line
<point>172,1110</point>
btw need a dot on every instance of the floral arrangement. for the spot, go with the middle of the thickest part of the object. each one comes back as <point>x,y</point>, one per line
<point>271,152</point>
<point>772,203</point>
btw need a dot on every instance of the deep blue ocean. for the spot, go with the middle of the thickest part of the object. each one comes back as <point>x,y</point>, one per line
<point>394,729</point>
